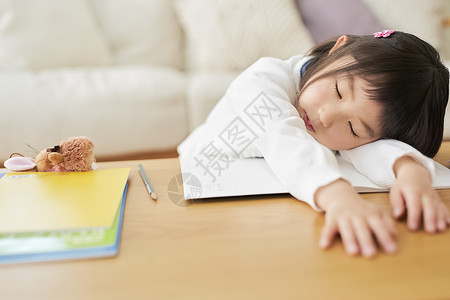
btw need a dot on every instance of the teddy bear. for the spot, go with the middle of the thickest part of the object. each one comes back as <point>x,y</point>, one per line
<point>73,155</point>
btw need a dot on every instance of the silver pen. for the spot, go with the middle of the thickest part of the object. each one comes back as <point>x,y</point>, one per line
<point>150,189</point>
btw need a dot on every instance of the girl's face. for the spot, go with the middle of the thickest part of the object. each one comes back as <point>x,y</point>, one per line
<point>337,112</point>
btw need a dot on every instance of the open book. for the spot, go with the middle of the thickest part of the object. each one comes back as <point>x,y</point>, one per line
<point>253,176</point>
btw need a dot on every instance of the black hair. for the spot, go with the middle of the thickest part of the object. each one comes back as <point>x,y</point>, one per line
<point>403,73</point>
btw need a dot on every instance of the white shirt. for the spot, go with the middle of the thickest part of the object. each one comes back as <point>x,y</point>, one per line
<point>258,106</point>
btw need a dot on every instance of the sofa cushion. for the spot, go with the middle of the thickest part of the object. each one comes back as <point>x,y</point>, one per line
<point>325,19</point>
<point>50,33</point>
<point>124,110</point>
<point>141,31</point>
<point>420,17</point>
<point>204,90</point>
<point>232,34</point>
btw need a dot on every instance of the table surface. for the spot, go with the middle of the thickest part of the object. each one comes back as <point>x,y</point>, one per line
<point>258,247</point>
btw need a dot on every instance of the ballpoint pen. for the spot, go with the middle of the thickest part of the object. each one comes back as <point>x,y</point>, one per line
<point>150,189</point>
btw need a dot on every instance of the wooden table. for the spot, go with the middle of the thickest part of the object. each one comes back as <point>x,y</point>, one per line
<point>241,248</point>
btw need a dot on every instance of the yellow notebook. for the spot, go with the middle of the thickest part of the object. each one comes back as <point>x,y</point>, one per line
<point>46,201</point>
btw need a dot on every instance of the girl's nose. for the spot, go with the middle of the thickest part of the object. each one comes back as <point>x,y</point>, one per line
<point>327,115</point>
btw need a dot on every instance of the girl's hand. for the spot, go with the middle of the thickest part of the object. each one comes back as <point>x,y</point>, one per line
<point>413,190</point>
<point>357,221</point>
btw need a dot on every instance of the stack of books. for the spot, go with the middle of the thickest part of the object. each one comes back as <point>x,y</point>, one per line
<point>61,215</point>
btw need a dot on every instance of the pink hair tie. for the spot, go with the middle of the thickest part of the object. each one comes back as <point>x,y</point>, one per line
<point>384,33</point>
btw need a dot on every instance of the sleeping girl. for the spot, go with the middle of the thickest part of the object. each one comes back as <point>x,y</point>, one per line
<point>377,101</point>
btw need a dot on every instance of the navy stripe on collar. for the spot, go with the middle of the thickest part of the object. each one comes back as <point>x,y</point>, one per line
<point>305,65</point>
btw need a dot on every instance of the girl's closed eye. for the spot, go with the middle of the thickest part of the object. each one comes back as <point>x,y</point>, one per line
<point>338,93</point>
<point>336,88</point>
<point>351,129</point>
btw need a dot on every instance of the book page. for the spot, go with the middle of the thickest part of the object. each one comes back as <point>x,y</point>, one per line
<point>253,177</point>
<point>242,177</point>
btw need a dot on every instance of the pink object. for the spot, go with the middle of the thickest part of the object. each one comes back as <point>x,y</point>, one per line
<point>20,164</point>
<point>384,33</point>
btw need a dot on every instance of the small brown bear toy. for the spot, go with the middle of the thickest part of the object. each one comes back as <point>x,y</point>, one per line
<point>74,155</point>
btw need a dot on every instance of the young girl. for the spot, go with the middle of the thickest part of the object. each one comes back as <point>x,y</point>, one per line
<point>373,100</point>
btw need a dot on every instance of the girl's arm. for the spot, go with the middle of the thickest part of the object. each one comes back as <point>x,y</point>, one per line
<point>376,160</point>
<point>392,163</point>
<point>262,97</point>
<point>346,212</point>
<point>355,220</point>
<point>413,190</point>
<point>258,105</point>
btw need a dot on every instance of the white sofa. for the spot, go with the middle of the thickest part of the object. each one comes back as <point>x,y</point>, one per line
<point>138,75</point>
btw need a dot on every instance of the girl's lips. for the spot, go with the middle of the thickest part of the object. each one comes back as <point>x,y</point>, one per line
<point>307,123</point>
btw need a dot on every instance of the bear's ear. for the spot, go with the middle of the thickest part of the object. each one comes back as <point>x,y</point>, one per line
<point>20,164</point>
<point>55,157</point>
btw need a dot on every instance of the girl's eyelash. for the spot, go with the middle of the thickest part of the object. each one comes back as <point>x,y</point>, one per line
<point>351,129</point>
<point>340,97</point>
<point>337,91</point>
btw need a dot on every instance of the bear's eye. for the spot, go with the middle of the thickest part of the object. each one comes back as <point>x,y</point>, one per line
<point>54,149</point>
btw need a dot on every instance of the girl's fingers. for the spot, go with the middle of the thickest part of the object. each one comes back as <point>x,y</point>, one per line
<point>390,225</point>
<point>348,237</point>
<point>441,219</point>
<point>364,235</point>
<point>446,213</point>
<point>329,230</point>
<point>397,203</point>
<point>386,240</point>
<point>414,209</point>
<point>430,214</point>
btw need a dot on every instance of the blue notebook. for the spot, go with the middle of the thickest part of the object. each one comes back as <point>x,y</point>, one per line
<point>64,244</point>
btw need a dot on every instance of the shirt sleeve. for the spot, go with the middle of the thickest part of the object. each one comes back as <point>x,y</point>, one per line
<point>376,160</point>
<point>299,162</point>
<point>259,101</point>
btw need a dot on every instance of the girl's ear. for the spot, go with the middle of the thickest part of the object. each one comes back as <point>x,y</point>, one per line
<point>341,41</point>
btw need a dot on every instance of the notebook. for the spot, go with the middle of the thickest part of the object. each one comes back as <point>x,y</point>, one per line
<point>252,176</point>
<point>62,242</point>
<point>60,200</point>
